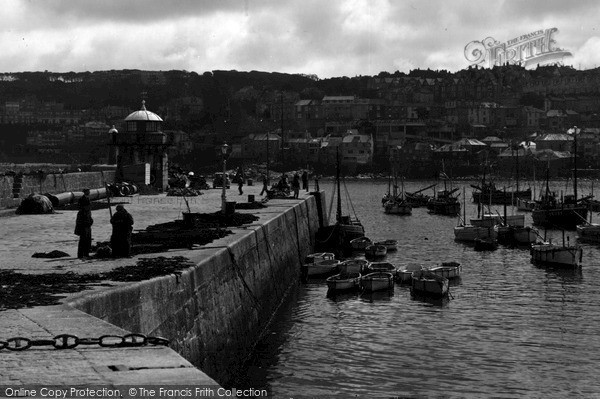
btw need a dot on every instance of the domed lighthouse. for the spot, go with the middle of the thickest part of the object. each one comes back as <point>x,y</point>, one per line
<point>141,149</point>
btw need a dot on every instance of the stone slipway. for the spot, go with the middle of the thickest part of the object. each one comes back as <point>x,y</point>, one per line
<point>213,313</point>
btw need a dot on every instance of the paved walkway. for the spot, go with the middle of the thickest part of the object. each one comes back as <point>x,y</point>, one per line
<point>24,235</point>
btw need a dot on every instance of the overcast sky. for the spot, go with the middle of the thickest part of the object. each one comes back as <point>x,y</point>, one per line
<point>328,38</point>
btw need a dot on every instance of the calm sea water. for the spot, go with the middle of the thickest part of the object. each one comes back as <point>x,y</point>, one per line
<point>511,329</point>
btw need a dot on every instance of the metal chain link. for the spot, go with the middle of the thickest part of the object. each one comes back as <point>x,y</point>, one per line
<point>69,341</point>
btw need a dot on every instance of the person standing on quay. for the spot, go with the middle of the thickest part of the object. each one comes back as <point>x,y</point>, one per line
<point>296,185</point>
<point>305,180</point>
<point>265,182</point>
<point>122,226</point>
<point>83,226</point>
<point>240,177</point>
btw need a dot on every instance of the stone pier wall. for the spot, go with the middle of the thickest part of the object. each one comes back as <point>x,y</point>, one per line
<point>215,312</point>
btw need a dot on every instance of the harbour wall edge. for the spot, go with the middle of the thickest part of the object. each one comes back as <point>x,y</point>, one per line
<point>215,312</point>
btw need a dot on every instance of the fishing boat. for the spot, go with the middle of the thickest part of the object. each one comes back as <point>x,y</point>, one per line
<point>425,282</point>
<point>397,206</point>
<point>396,203</point>
<point>404,272</point>
<point>353,266</point>
<point>417,199</point>
<point>490,220</point>
<point>447,270</point>
<point>381,267</point>
<point>391,245</point>
<point>488,193</point>
<point>557,255</point>
<point>469,233</point>
<point>377,281</point>
<point>515,235</point>
<point>566,213</point>
<point>343,282</point>
<point>444,203</point>
<point>360,243</point>
<point>320,264</point>
<point>337,236</point>
<point>512,231</point>
<point>375,251</point>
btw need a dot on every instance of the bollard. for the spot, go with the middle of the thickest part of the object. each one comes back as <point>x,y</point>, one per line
<point>230,207</point>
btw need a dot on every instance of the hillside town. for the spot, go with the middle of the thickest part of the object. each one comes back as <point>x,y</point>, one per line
<point>456,122</point>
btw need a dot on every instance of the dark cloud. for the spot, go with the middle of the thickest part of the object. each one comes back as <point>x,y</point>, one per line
<point>328,38</point>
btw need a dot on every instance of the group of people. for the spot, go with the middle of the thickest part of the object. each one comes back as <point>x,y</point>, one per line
<point>122,227</point>
<point>285,186</point>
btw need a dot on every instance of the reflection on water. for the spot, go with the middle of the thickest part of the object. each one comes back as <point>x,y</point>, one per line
<point>510,329</point>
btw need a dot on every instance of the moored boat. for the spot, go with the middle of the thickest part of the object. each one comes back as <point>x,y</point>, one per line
<point>490,220</point>
<point>525,205</point>
<point>320,264</point>
<point>390,245</point>
<point>445,203</point>
<point>397,206</point>
<point>447,270</point>
<point>381,267</point>
<point>336,237</point>
<point>511,235</point>
<point>417,198</point>
<point>343,282</point>
<point>558,255</point>
<point>353,266</point>
<point>377,281</point>
<point>589,232</point>
<point>404,272</point>
<point>471,233</point>
<point>427,283</point>
<point>375,251</point>
<point>360,243</point>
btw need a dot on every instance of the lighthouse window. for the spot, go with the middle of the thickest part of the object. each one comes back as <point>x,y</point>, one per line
<point>131,126</point>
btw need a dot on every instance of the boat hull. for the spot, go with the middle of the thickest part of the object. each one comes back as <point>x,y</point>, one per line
<point>375,251</point>
<point>470,233</point>
<point>452,270</point>
<point>353,266</point>
<point>492,220</point>
<point>379,281</point>
<point>395,208</point>
<point>565,217</point>
<point>444,208</point>
<point>590,232</point>
<point>429,284</point>
<point>499,197</point>
<point>360,243</point>
<point>343,282</point>
<point>324,268</point>
<point>558,255</point>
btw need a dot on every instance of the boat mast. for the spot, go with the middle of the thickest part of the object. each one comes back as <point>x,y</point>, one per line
<point>575,161</point>
<point>517,167</point>
<point>337,180</point>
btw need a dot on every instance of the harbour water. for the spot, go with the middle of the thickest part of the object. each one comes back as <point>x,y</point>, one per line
<point>510,328</point>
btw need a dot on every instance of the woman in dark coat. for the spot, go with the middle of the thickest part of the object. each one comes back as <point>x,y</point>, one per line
<point>83,228</point>
<point>122,223</point>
